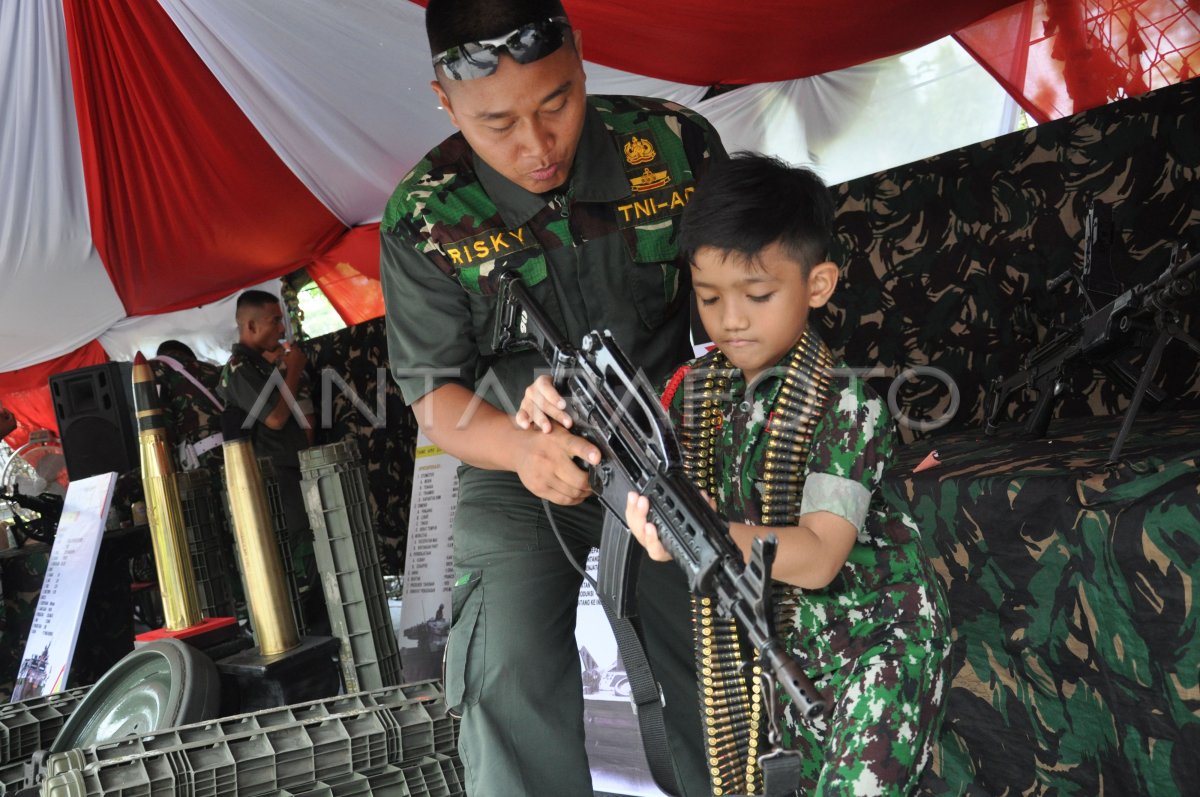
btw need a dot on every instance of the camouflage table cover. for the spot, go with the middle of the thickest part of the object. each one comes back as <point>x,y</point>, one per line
<point>1071,588</point>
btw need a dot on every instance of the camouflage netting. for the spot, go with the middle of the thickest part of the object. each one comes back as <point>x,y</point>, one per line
<point>351,384</point>
<point>1070,585</point>
<point>946,261</point>
<point>1074,659</point>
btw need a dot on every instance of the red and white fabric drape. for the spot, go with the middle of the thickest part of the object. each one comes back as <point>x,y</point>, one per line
<point>160,156</point>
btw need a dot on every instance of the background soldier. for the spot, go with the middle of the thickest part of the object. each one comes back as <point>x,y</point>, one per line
<point>265,379</point>
<point>187,390</point>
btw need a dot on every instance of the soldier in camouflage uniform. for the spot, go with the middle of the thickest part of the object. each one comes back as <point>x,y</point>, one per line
<point>865,616</point>
<point>187,391</point>
<point>267,381</point>
<point>581,196</point>
<point>21,574</point>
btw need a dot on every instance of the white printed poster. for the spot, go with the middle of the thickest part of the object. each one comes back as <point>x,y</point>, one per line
<point>428,562</point>
<point>68,579</point>
<point>613,738</point>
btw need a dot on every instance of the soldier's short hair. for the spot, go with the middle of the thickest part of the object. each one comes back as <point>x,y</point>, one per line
<point>256,298</point>
<point>449,23</point>
<point>751,201</point>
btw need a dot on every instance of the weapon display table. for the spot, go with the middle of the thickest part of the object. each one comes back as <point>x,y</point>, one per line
<point>1073,602</point>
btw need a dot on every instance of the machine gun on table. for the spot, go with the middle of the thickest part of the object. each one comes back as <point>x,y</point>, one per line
<point>42,528</point>
<point>614,407</point>
<point>1097,339</point>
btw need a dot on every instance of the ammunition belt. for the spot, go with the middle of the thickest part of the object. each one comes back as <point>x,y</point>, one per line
<point>734,718</point>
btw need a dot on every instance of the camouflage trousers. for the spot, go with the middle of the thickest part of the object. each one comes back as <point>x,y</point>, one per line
<point>887,712</point>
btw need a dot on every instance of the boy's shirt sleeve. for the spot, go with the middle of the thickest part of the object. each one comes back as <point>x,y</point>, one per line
<point>852,446</point>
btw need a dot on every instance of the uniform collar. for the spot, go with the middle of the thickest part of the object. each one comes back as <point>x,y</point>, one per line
<point>766,386</point>
<point>596,176</point>
<point>252,356</point>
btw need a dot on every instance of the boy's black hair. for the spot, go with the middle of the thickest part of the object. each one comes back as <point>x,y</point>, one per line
<point>256,298</point>
<point>449,23</point>
<point>751,201</point>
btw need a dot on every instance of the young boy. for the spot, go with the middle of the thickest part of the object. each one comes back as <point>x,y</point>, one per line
<point>779,436</point>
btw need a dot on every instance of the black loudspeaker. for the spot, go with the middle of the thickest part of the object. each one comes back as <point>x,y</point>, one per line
<point>94,409</point>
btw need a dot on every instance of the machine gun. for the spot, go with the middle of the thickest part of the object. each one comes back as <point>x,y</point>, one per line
<point>48,506</point>
<point>1097,339</point>
<point>614,407</point>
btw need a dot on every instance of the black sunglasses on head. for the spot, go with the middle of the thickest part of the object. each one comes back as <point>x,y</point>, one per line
<point>526,44</point>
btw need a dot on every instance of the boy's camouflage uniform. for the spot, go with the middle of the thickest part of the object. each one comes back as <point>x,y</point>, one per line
<point>598,253</point>
<point>874,640</point>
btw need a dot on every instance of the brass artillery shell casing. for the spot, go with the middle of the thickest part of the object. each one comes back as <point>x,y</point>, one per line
<point>164,511</point>
<point>266,592</point>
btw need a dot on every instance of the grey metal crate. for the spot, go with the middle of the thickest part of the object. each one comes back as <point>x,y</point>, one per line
<point>209,543</point>
<point>336,496</point>
<point>284,749</point>
<point>31,725</point>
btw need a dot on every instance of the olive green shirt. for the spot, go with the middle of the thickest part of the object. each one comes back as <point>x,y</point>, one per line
<point>599,253</point>
<point>243,381</point>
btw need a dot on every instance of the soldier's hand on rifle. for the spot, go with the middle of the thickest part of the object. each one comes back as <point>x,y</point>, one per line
<point>547,465</point>
<point>542,406</point>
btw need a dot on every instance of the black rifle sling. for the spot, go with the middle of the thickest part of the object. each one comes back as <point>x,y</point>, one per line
<point>781,773</point>
<point>644,690</point>
<point>647,701</point>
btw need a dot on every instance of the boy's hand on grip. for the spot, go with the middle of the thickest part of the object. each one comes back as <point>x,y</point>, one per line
<point>637,509</point>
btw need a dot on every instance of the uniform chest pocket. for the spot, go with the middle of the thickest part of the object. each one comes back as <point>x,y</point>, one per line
<point>475,280</point>
<point>655,278</point>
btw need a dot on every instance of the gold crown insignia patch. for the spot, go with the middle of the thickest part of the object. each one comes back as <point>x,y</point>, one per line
<point>639,150</point>
<point>648,180</point>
